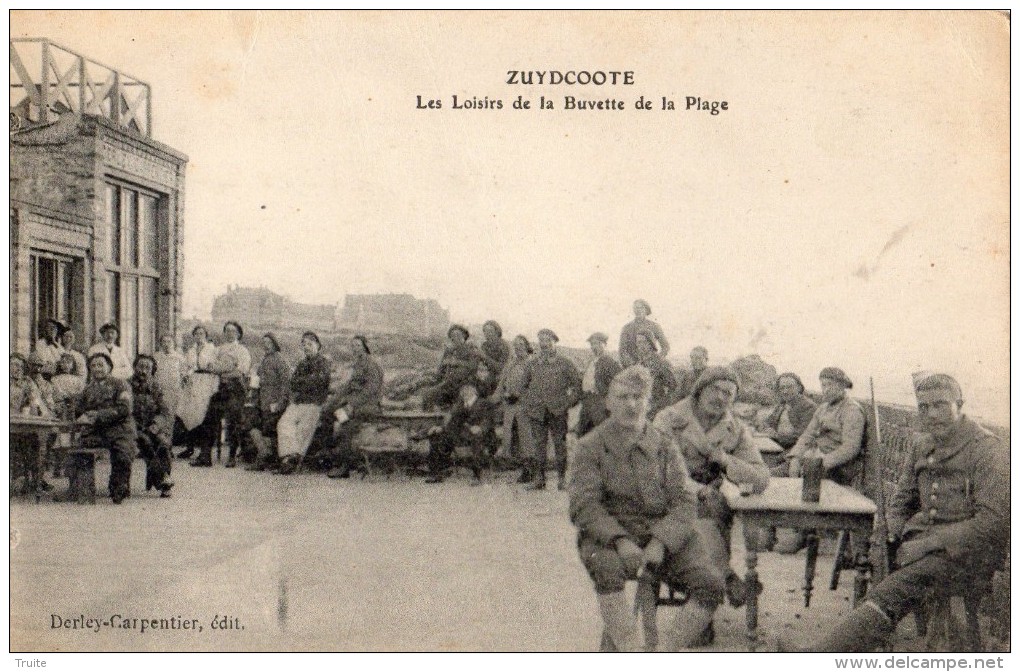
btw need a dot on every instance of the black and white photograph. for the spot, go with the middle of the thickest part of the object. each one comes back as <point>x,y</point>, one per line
<point>510,331</point>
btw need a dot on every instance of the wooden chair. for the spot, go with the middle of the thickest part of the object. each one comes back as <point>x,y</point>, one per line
<point>648,610</point>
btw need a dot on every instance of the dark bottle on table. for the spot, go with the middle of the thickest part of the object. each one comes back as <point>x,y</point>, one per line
<point>811,471</point>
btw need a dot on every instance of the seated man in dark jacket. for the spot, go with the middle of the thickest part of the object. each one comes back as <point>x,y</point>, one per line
<point>458,365</point>
<point>105,406</point>
<point>791,416</point>
<point>472,423</point>
<point>355,402</point>
<point>636,517</point>
<point>153,425</point>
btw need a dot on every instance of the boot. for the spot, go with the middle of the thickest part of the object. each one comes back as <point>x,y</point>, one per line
<point>539,482</point>
<point>687,627</point>
<point>620,621</point>
<point>525,476</point>
<point>561,481</point>
<point>204,458</point>
<point>864,630</point>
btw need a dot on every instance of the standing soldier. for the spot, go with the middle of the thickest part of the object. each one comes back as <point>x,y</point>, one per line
<point>153,425</point>
<point>553,387</point>
<point>595,384</point>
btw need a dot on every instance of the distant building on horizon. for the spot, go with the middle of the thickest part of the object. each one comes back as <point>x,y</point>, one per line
<point>393,313</point>
<point>260,307</point>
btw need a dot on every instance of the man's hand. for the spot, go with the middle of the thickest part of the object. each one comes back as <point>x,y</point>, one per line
<point>911,551</point>
<point>655,553</point>
<point>273,407</point>
<point>631,554</point>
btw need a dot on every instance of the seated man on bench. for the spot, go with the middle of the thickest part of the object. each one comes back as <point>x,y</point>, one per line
<point>472,423</point>
<point>348,409</point>
<point>153,425</point>
<point>106,407</point>
<point>637,518</point>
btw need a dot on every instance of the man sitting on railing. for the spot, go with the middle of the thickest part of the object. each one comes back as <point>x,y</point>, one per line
<point>950,517</point>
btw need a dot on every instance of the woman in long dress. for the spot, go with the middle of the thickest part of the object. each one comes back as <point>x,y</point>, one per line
<point>170,371</point>
<point>197,388</point>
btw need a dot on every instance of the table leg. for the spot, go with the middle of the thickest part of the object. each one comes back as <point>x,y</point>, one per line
<point>809,566</point>
<point>863,562</point>
<point>751,580</point>
<point>42,438</point>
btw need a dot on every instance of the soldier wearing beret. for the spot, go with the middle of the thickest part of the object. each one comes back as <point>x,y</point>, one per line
<point>628,335</point>
<point>553,387</point>
<point>106,408</point>
<point>153,425</point>
<point>716,446</point>
<point>636,517</point>
<point>836,431</point>
<point>950,516</point>
<point>458,365</point>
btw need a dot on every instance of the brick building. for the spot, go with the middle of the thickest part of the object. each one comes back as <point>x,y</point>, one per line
<point>96,206</point>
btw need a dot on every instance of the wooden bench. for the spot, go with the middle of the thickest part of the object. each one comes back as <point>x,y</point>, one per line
<point>81,475</point>
<point>402,457</point>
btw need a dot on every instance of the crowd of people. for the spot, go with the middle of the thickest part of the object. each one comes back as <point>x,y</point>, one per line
<point>654,447</point>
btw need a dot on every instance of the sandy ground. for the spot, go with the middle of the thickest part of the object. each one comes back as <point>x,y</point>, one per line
<point>310,564</point>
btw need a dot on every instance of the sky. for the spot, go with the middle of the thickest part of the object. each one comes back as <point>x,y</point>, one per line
<point>850,207</point>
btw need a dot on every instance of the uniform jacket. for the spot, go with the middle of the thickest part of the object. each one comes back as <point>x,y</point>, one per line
<point>149,407</point>
<point>363,391</point>
<point>274,382</point>
<point>482,413</point>
<point>459,362</point>
<point>695,443</point>
<point>628,340</point>
<point>310,382</point>
<point>495,354</point>
<point>111,401</point>
<point>957,491</point>
<point>801,411</point>
<point>630,488</point>
<point>836,430</point>
<point>553,384</point>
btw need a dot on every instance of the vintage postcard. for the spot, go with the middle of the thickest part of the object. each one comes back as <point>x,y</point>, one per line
<point>470,331</point>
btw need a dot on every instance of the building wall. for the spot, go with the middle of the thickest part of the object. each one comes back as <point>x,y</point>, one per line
<point>58,206</point>
<point>398,313</point>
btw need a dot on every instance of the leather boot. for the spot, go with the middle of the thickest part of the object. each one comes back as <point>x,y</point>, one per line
<point>525,476</point>
<point>863,631</point>
<point>561,482</point>
<point>620,622</point>
<point>687,628</point>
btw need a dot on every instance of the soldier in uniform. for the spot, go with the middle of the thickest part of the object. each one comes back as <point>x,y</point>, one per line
<point>153,425</point>
<point>636,518</point>
<point>472,423</point>
<point>105,406</point>
<point>716,445</point>
<point>949,517</point>
<point>595,384</point>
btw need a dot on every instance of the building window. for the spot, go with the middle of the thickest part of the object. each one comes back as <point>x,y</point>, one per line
<point>134,262</point>
<point>51,289</point>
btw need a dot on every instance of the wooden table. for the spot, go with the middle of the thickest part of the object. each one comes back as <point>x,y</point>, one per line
<point>41,429</point>
<point>838,508</point>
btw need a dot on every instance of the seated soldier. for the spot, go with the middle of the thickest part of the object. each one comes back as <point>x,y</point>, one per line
<point>791,416</point>
<point>636,518</point>
<point>472,423</point>
<point>949,516</point>
<point>105,408</point>
<point>153,425</point>
<point>356,401</point>
<point>458,365</point>
<point>836,431</point>
<point>716,445</point>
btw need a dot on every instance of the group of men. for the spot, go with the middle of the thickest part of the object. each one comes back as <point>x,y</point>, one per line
<point>645,498</point>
